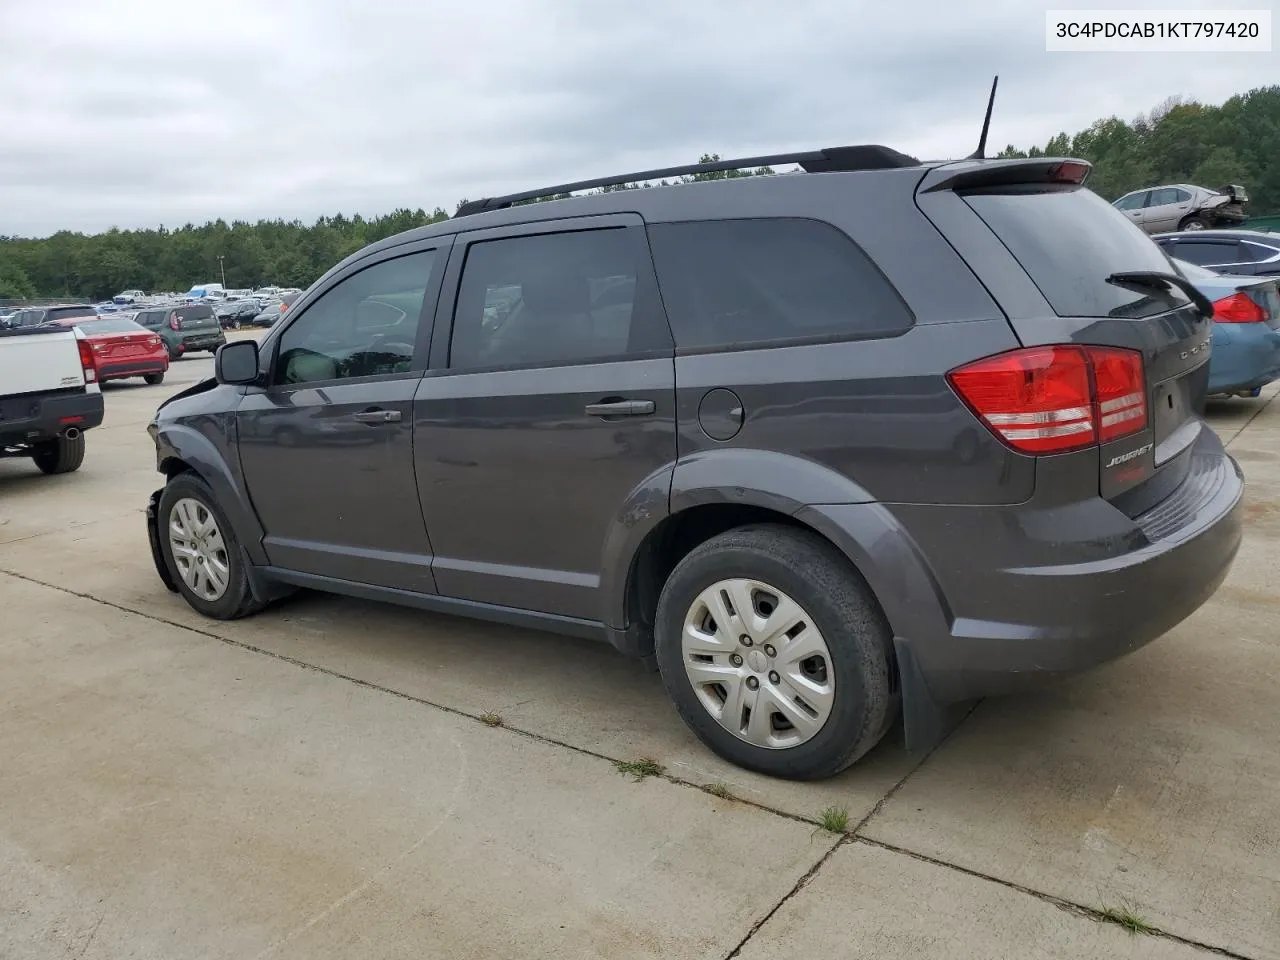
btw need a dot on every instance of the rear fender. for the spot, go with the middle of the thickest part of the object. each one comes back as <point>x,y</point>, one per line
<point>773,481</point>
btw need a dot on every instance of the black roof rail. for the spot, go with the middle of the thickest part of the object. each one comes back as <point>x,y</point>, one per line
<point>826,160</point>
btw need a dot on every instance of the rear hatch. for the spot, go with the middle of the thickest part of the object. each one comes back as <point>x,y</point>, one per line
<point>1100,277</point>
<point>196,319</point>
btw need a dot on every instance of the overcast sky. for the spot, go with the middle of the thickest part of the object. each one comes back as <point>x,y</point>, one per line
<point>134,113</point>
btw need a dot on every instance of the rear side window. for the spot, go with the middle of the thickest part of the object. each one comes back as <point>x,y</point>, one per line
<point>736,282</point>
<point>1069,241</point>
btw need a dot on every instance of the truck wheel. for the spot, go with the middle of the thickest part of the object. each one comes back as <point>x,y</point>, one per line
<point>201,551</point>
<point>775,652</point>
<point>1194,223</point>
<point>154,378</point>
<point>61,455</point>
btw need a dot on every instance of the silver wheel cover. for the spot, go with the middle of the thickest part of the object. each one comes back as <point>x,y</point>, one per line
<point>199,552</point>
<point>758,663</point>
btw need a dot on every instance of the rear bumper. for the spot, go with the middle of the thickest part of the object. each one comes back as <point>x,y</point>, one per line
<point>202,341</point>
<point>43,416</point>
<point>133,368</point>
<point>990,600</point>
<point>1245,355</point>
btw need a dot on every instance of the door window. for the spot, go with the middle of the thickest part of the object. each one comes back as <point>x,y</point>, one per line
<point>1180,195</point>
<point>365,326</point>
<point>554,299</point>
<point>1204,252</point>
<point>1163,196</point>
<point>1132,202</point>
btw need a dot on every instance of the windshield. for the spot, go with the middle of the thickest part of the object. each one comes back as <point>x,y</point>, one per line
<point>1069,241</point>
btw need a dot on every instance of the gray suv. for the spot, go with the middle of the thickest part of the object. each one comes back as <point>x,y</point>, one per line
<point>869,439</point>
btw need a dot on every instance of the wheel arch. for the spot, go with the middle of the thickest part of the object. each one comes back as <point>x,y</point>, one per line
<point>181,449</point>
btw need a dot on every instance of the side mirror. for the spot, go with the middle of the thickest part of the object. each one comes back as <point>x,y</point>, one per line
<point>236,362</point>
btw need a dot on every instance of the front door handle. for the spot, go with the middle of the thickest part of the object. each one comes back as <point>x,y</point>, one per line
<point>377,416</point>
<point>620,408</point>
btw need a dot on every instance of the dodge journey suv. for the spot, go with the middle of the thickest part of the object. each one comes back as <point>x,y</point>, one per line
<point>868,439</point>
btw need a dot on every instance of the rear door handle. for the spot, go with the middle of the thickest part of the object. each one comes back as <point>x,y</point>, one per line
<point>620,408</point>
<point>377,416</point>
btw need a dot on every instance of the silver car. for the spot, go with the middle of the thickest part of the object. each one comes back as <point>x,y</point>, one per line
<point>1182,206</point>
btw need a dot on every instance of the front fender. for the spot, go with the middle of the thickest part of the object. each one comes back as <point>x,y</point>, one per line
<point>176,442</point>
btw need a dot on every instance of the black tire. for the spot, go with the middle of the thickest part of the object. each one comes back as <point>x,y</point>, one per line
<point>154,378</point>
<point>238,600</point>
<point>826,585</point>
<point>1195,223</point>
<point>60,455</point>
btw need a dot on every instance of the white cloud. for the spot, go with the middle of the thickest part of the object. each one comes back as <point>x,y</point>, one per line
<point>138,112</point>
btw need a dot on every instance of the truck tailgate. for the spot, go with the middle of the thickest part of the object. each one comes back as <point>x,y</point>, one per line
<point>38,360</point>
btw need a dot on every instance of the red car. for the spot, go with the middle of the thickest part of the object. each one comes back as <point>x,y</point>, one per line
<point>122,348</point>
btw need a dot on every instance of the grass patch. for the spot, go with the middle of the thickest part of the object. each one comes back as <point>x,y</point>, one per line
<point>834,820</point>
<point>639,769</point>
<point>491,719</point>
<point>1124,916</point>
<point>720,790</point>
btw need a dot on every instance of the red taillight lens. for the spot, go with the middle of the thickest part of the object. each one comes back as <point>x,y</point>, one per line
<point>1058,398</point>
<point>1238,308</point>
<point>1120,391</point>
<point>87,361</point>
<point>173,322</point>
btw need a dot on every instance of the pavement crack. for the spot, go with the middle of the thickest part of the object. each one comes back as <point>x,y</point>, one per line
<point>1081,910</point>
<point>799,885</point>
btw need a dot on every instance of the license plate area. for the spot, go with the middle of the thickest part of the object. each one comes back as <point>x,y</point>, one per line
<point>1175,406</point>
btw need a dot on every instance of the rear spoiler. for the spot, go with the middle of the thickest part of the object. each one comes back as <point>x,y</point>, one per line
<point>1235,192</point>
<point>972,174</point>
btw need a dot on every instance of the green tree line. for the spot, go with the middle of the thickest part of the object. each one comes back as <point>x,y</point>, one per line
<point>1178,141</point>
<point>1182,141</point>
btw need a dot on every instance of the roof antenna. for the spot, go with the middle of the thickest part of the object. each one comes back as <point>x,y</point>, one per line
<point>981,152</point>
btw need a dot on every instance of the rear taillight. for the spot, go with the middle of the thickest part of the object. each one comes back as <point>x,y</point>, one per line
<point>1058,398</point>
<point>173,322</point>
<point>1238,308</point>
<point>87,361</point>
<point>1120,391</point>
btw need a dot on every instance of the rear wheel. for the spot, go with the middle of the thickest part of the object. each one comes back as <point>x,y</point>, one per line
<point>202,552</point>
<point>775,652</point>
<point>60,455</point>
<point>1194,223</point>
<point>154,378</point>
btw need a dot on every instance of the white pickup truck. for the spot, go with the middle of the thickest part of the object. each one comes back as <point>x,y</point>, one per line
<point>49,396</point>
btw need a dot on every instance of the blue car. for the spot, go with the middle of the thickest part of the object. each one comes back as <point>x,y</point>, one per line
<point>1246,330</point>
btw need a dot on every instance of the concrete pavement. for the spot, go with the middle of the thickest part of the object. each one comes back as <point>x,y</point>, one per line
<point>313,781</point>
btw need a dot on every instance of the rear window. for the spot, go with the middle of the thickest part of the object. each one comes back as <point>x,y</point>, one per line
<point>110,325</point>
<point>67,313</point>
<point>743,281</point>
<point>198,312</point>
<point>1069,241</point>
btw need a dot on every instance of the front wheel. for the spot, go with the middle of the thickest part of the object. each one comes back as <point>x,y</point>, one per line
<point>201,551</point>
<point>775,652</point>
